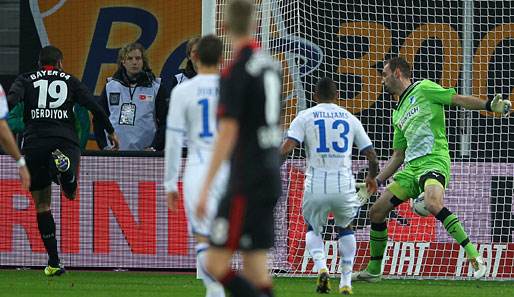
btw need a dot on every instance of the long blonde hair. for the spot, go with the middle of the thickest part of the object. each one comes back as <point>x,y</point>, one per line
<point>190,44</point>
<point>127,49</point>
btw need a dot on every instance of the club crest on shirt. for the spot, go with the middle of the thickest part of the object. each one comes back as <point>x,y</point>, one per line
<point>144,97</point>
<point>412,100</point>
<point>114,98</point>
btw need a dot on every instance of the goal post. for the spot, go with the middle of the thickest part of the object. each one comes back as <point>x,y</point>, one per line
<point>208,17</point>
<point>466,45</point>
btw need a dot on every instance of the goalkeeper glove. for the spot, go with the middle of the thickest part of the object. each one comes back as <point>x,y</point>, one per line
<point>498,105</point>
<point>362,193</point>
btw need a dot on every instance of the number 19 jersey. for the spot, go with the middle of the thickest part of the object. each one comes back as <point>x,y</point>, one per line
<point>49,96</point>
<point>328,132</point>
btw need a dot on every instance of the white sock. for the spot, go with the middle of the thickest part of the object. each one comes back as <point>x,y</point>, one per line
<point>347,248</point>
<point>214,288</point>
<point>314,244</point>
<point>201,253</point>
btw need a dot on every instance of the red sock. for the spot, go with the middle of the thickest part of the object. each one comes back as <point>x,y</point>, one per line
<point>267,290</point>
<point>238,285</point>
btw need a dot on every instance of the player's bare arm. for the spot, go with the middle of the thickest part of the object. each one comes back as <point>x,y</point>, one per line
<point>85,98</point>
<point>287,146</point>
<point>227,137</point>
<point>371,182</point>
<point>171,197</point>
<point>113,138</point>
<point>172,158</point>
<point>497,105</point>
<point>392,164</point>
<point>8,143</point>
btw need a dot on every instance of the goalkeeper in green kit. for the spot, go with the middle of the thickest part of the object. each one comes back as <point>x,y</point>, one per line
<point>419,141</point>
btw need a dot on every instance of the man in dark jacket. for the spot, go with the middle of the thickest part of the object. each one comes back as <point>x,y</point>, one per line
<point>190,70</point>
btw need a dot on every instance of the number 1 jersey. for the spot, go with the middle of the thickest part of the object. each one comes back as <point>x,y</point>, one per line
<point>328,132</point>
<point>194,104</point>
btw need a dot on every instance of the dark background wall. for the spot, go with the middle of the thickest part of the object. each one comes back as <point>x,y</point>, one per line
<point>9,41</point>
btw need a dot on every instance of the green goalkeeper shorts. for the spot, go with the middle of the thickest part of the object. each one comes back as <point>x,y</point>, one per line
<point>406,183</point>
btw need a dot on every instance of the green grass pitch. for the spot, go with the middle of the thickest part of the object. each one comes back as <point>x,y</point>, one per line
<point>86,283</point>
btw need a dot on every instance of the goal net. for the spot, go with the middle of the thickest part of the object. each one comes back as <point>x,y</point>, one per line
<point>464,45</point>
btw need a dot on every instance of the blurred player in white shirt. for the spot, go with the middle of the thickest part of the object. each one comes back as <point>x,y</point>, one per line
<point>192,113</point>
<point>8,143</point>
<point>328,132</point>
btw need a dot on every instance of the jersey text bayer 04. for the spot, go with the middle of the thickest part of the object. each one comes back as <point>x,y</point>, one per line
<point>49,95</point>
<point>419,121</point>
<point>250,93</point>
<point>328,132</point>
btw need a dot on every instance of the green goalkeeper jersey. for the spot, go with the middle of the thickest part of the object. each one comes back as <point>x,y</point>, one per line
<point>419,121</point>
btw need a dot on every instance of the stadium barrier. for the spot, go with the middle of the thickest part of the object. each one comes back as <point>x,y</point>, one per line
<point>120,219</point>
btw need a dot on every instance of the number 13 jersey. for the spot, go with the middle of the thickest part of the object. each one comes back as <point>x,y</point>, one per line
<point>328,132</point>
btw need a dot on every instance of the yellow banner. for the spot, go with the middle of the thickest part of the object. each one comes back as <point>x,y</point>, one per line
<point>90,34</point>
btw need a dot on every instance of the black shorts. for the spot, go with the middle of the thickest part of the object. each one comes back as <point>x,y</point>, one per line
<point>41,165</point>
<point>244,222</point>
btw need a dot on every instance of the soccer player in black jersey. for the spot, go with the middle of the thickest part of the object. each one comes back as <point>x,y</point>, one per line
<point>250,134</point>
<point>51,143</point>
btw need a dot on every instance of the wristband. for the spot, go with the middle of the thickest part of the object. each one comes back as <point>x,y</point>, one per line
<point>488,106</point>
<point>378,182</point>
<point>21,162</point>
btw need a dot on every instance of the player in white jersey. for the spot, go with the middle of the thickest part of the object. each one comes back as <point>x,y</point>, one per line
<point>8,143</point>
<point>192,113</point>
<point>189,71</point>
<point>328,132</point>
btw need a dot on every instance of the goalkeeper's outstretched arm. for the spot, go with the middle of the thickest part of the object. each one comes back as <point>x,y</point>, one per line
<point>497,105</point>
